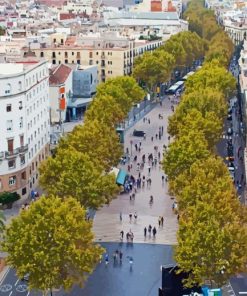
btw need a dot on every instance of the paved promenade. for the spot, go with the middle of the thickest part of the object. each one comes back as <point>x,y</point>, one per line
<point>107,224</point>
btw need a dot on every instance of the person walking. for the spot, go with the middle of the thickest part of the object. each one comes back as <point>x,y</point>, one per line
<point>121,234</point>
<point>135,216</point>
<point>130,216</point>
<point>120,217</point>
<point>159,221</point>
<point>154,231</point>
<point>162,221</point>
<point>149,229</point>
<point>120,256</point>
<point>145,231</point>
<point>163,179</point>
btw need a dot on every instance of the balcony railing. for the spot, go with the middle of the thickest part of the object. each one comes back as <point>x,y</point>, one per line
<point>15,152</point>
<point>9,154</point>
<point>23,149</point>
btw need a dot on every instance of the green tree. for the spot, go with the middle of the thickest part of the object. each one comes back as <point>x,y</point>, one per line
<point>211,246</point>
<point>153,68</point>
<point>2,224</point>
<point>99,141</point>
<point>53,243</point>
<point>183,152</point>
<point>210,125</point>
<point>214,76</point>
<point>106,110</point>
<point>207,180</point>
<point>74,173</point>
<point>204,100</point>
<point>124,90</point>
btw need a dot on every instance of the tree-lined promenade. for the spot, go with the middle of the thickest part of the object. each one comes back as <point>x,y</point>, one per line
<point>53,242</point>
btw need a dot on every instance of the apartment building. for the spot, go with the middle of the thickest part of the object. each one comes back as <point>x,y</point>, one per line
<point>24,124</point>
<point>113,54</point>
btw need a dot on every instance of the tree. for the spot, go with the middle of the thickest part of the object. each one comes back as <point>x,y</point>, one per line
<point>214,76</point>
<point>53,243</point>
<point>153,68</point>
<point>210,126</point>
<point>2,224</point>
<point>124,90</point>
<point>106,110</point>
<point>72,173</point>
<point>204,100</point>
<point>183,152</point>
<point>211,246</point>
<point>98,140</point>
<point>207,180</point>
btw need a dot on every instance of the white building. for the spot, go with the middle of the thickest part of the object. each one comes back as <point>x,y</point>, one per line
<point>24,124</point>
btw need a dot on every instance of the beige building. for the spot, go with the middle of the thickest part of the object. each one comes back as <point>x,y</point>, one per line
<point>113,54</point>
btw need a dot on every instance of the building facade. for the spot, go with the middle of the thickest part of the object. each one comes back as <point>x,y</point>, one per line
<point>24,128</point>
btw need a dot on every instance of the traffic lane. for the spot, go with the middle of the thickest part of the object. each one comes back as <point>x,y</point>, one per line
<point>12,286</point>
<point>120,279</point>
<point>239,284</point>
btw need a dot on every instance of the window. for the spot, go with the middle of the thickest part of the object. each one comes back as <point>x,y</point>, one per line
<point>42,54</point>
<point>9,125</point>
<point>21,122</point>
<point>10,145</point>
<point>72,53</point>
<point>90,55</point>
<point>11,164</point>
<point>20,86</point>
<point>12,180</point>
<point>23,176</point>
<point>22,159</point>
<point>90,62</point>
<point>24,191</point>
<point>21,140</point>
<point>8,88</point>
<point>9,108</point>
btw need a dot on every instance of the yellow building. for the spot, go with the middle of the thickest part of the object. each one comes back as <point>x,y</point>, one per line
<point>114,57</point>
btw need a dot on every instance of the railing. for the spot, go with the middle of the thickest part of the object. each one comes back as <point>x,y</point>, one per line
<point>23,149</point>
<point>12,153</point>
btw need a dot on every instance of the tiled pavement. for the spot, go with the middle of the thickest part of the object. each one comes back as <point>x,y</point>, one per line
<point>107,224</point>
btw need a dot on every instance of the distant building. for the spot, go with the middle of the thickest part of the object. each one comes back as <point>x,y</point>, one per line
<point>24,124</point>
<point>85,81</point>
<point>60,87</point>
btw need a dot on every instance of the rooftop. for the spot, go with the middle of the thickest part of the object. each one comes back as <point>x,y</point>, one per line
<point>59,74</point>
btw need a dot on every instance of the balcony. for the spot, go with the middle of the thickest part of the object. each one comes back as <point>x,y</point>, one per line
<point>23,149</point>
<point>10,154</point>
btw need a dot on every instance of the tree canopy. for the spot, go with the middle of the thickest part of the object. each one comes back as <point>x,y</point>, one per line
<point>53,243</point>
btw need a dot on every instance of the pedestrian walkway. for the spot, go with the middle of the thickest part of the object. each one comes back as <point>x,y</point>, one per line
<point>107,224</point>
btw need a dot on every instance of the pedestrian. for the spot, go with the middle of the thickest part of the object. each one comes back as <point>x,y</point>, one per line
<point>149,170</point>
<point>159,221</point>
<point>130,197</point>
<point>136,147</point>
<point>120,217</point>
<point>115,257</point>
<point>145,231</point>
<point>159,155</point>
<point>162,221</point>
<point>152,138</point>
<point>149,229</point>
<point>135,216</point>
<point>156,136</point>
<point>169,138</point>
<point>106,259</point>
<point>154,231</point>
<point>133,196</point>
<point>163,179</point>
<point>120,256</point>
<point>151,200</point>
<point>130,216</point>
<point>121,234</point>
<point>149,121</point>
<point>131,260</point>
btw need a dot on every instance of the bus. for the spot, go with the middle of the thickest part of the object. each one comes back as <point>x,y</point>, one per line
<point>179,85</point>
<point>187,75</point>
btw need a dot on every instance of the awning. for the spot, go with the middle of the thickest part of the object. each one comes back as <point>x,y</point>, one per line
<point>121,177</point>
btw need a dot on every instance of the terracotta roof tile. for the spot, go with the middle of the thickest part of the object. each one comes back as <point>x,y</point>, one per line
<point>59,74</point>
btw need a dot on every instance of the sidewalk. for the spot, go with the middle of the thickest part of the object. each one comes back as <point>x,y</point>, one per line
<point>107,224</point>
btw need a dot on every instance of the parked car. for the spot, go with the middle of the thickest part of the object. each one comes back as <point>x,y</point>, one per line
<point>137,133</point>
